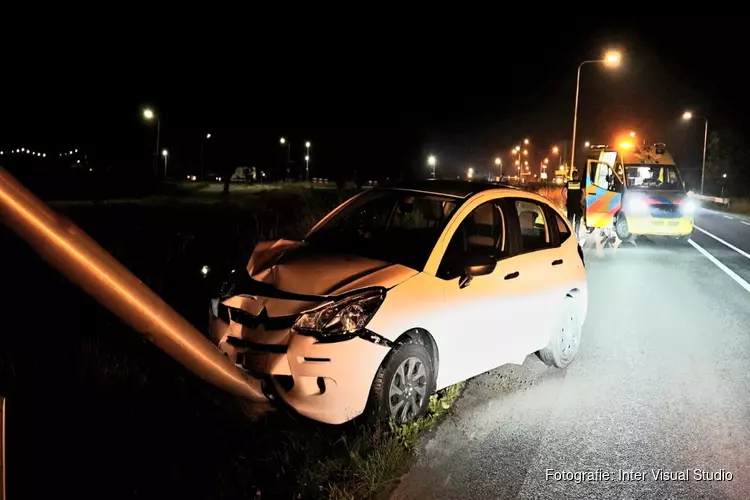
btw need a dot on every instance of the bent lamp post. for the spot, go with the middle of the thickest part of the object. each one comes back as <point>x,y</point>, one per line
<point>78,257</point>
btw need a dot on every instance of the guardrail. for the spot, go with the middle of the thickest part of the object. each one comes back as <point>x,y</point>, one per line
<point>712,199</point>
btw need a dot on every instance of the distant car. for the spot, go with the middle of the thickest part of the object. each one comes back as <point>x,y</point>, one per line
<point>402,291</point>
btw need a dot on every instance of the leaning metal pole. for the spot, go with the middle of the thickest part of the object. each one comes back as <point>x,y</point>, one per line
<point>72,252</point>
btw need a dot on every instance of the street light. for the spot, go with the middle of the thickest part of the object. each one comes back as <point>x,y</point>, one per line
<point>432,161</point>
<point>149,115</point>
<point>284,142</point>
<point>586,144</point>
<point>525,141</point>
<point>470,173</point>
<point>208,136</point>
<point>611,59</point>
<point>307,161</point>
<point>632,134</point>
<point>687,116</point>
<point>555,150</point>
<point>165,154</point>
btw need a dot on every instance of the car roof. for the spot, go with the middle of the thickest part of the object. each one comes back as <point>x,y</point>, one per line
<point>446,187</point>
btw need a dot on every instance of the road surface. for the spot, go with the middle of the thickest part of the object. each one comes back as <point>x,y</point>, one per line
<point>662,381</point>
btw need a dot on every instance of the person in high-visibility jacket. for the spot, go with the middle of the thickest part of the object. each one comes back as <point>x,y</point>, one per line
<point>574,201</point>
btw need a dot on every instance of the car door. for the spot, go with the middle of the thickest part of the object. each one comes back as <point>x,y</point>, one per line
<point>538,262</point>
<point>603,193</point>
<point>482,318</point>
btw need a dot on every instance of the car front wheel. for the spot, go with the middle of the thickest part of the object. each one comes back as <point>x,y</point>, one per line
<point>403,384</point>
<point>566,339</point>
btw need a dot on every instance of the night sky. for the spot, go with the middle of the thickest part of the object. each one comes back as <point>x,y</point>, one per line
<point>380,102</point>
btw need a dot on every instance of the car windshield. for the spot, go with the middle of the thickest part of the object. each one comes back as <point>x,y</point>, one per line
<point>661,177</point>
<point>401,227</point>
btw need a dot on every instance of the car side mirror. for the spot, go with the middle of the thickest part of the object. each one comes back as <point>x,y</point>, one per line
<point>479,264</point>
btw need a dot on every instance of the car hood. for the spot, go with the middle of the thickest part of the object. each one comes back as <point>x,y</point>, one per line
<point>299,268</point>
<point>659,197</point>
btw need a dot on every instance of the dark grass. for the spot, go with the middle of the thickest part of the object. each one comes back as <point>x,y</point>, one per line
<point>95,411</point>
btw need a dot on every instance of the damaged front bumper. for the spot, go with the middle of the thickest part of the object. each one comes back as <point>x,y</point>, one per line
<point>326,381</point>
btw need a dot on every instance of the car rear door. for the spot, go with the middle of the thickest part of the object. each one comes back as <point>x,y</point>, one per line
<point>539,260</point>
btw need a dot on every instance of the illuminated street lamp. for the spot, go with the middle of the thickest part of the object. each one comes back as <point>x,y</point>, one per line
<point>307,160</point>
<point>149,115</point>
<point>499,163</point>
<point>208,136</point>
<point>632,134</point>
<point>470,173</point>
<point>165,154</point>
<point>586,144</point>
<point>611,59</point>
<point>286,143</point>
<point>687,116</point>
<point>546,161</point>
<point>556,150</point>
<point>432,161</point>
<point>526,141</point>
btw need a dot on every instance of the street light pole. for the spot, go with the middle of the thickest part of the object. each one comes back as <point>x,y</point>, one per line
<point>703,165</point>
<point>149,115</point>
<point>307,161</point>
<point>158,137</point>
<point>165,154</point>
<point>208,136</point>
<point>687,116</point>
<point>613,59</point>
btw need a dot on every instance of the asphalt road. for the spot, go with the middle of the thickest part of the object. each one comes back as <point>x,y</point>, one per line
<point>662,381</point>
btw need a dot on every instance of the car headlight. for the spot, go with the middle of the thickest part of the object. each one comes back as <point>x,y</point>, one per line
<point>636,205</point>
<point>344,317</point>
<point>689,207</point>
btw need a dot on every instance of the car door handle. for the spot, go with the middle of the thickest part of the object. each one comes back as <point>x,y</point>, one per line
<point>512,275</point>
<point>557,262</point>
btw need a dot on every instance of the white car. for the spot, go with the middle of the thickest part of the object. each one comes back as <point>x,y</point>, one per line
<point>402,291</point>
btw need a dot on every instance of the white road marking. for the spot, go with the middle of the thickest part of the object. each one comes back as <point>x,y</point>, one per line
<point>744,284</point>
<point>728,217</point>
<point>741,252</point>
<point>745,223</point>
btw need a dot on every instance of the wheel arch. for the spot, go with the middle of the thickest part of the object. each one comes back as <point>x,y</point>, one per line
<point>424,337</point>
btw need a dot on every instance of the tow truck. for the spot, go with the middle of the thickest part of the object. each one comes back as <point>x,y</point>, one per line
<point>636,190</point>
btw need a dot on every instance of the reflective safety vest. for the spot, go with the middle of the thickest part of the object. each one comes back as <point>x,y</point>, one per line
<point>574,194</point>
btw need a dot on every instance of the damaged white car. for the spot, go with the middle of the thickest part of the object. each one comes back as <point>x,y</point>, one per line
<point>402,291</point>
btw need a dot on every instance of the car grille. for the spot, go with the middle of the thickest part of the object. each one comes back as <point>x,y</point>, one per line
<point>666,211</point>
<point>251,321</point>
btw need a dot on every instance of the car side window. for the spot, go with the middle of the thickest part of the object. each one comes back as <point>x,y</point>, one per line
<point>562,228</point>
<point>535,234</point>
<point>483,230</point>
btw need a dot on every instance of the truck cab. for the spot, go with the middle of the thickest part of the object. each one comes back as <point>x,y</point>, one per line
<point>637,190</point>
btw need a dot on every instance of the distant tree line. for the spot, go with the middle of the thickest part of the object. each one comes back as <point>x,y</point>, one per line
<point>727,153</point>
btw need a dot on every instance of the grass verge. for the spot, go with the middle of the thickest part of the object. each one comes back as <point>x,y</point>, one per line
<point>372,461</point>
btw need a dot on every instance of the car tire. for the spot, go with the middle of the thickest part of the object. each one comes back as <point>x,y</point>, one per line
<point>621,229</point>
<point>406,369</point>
<point>683,240</point>
<point>566,339</point>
